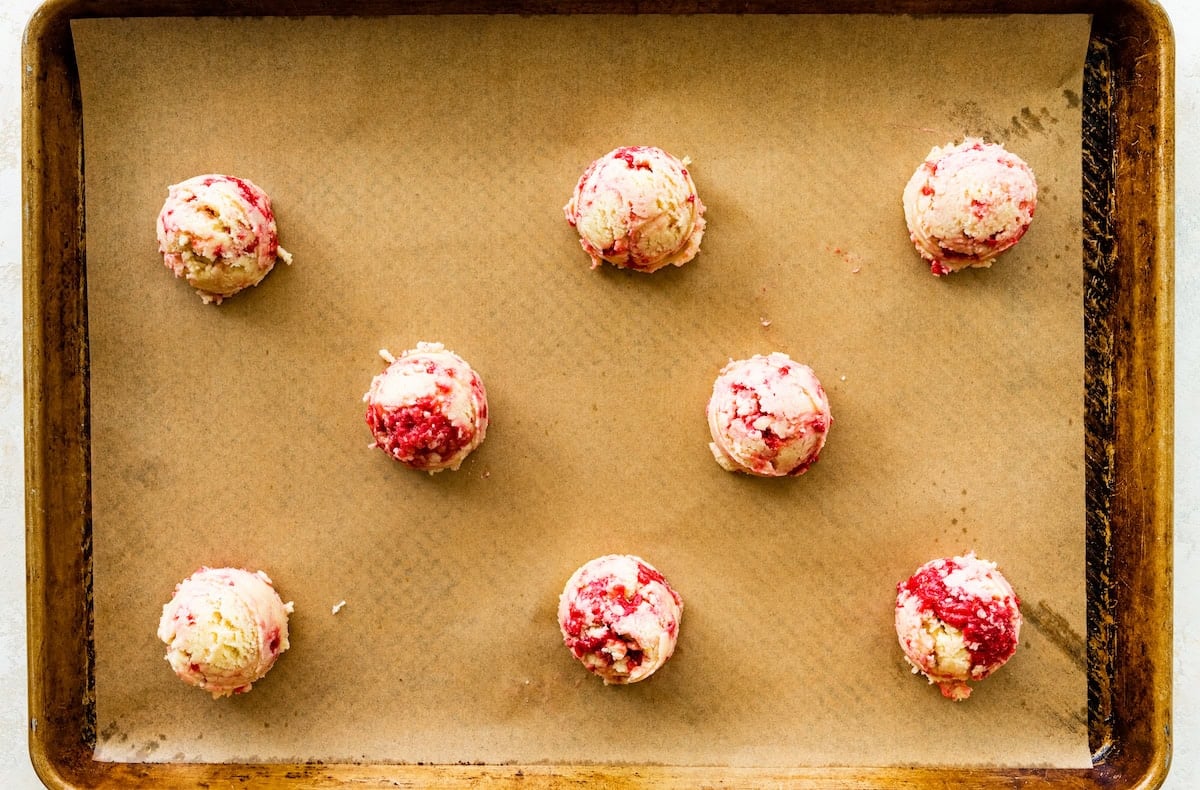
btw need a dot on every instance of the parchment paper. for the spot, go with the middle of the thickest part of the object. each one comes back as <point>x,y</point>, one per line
<point>418,167</point>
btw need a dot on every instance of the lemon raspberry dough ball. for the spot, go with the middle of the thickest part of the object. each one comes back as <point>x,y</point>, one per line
<point>968,203</point>
<point>218,233</point>
<point>769,416</point>
<point>224,628</point>
<point>636,207</point>
<point>428,410</point>
<point>620,618</point>
<point>957,619</point>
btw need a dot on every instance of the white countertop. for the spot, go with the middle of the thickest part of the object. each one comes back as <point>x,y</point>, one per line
<point>15,769</point>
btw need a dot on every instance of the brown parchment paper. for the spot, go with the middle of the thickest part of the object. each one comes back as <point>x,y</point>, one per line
<point>418,167</point>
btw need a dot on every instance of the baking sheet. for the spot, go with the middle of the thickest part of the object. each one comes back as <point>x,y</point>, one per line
<point>418,167</point>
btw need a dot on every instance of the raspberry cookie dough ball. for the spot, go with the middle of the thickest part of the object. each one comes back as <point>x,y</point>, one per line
<point>968,203</point>
<point>428,410</point>
<point>620,618</point>
<point>636,207</point>
<point>223,629</point>
<point>957,619</point>
<point>218,233</point>
<point>769,416</point>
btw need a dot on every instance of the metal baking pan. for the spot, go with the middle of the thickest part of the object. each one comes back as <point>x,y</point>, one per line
<point>1128,139</point>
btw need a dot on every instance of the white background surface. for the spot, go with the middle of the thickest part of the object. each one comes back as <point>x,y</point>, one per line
<point>15,769</point>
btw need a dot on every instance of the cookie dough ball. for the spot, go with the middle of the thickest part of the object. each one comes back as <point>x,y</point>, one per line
<point>968,203</point>
<point>620,618</point>
<point>223,629</point>
<point>769,416</point>
<point>957,619</point>
<point>636,207</point>
<point>218,233</point>
<point>428,410</point>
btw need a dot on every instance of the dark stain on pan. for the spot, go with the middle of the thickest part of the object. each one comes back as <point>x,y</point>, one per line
<point>1033,122</point>
<point>1055,627</point>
